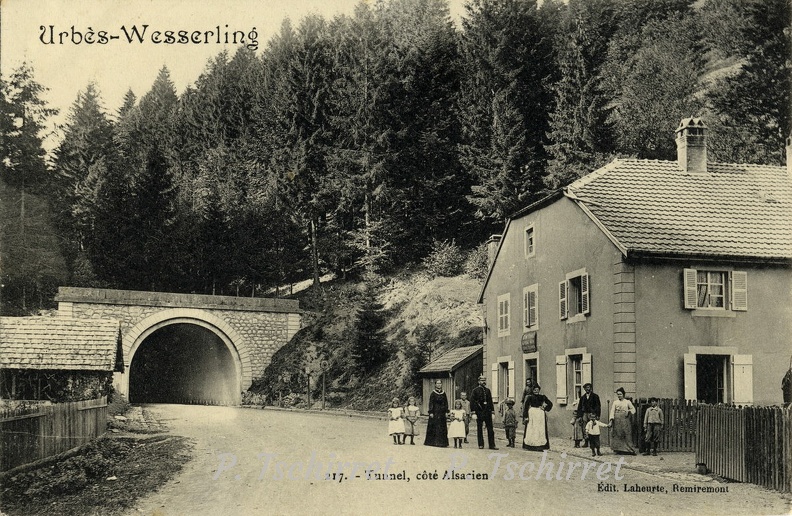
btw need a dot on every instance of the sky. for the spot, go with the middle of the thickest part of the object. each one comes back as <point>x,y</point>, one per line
<point>30,31</point>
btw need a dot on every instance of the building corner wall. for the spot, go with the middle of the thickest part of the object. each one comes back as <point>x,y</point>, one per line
<point>624,338</point>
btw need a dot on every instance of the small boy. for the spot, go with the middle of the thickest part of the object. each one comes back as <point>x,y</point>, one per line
<point>653,426</point>
<point>593,433</point>
<point>510,423</point>
<point>466,408</point>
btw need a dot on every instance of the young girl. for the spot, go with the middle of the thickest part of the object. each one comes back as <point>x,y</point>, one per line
<point>411,412</point>
<point>396,423</point>
<point>457,427</point>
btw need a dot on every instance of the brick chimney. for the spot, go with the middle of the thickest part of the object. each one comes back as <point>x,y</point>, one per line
<point>789,155</point>
<point>492,248</point>
<point>691,141</point>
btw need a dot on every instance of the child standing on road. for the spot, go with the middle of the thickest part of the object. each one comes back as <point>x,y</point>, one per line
<point>466,408</point>
<point>396,423</point>
<point>457,427</point>
<point>411,413</point>
<point>653,426</point>
<point>593,433</point>
<point>510,423</point>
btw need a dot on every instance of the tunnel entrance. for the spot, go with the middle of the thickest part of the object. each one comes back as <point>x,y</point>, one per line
<point>183,363</point>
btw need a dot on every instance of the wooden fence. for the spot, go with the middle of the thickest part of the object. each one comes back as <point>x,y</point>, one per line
<point>27,436</point>
<point>679,424</point>
<point>747,444</point>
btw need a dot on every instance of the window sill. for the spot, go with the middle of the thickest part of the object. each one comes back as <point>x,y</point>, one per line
<point>504,334</point>
<point>712,313</point>
<point>576,318</point>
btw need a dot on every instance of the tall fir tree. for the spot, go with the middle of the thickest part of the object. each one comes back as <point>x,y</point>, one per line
<point>505,100</point>
<point>580,137</point>
<point>31,264</point>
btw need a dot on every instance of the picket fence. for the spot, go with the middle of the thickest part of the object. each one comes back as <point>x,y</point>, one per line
<point>28,435</point>
<point>747,444</point>
<point>679,424</point>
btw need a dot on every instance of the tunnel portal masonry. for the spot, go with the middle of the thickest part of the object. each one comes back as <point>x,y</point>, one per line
<point>251,329</point>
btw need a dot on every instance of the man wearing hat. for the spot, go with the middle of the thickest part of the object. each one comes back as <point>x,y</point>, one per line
<point>589,403</point>
<point>481,404</point>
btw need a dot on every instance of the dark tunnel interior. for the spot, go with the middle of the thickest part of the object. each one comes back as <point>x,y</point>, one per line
<point>183,363</point>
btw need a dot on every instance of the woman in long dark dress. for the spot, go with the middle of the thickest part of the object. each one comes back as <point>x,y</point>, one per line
<point>534,414</point>
<point>436,430</point>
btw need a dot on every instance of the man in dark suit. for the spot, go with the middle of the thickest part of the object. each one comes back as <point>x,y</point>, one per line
<point>482,406</point>
<point>589,403</point>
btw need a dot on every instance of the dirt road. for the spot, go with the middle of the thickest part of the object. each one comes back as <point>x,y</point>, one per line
<point>255,461</point>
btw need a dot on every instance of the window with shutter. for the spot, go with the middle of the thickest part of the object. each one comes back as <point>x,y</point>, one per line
<point>530,310</point>
<point>503,315</point>
<point>715,290</point>
<point>575,296</point>
<point>561,379</point>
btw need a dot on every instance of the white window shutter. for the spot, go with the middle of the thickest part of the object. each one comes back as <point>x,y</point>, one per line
<point>690,376</point>
<point>586,363</point>
<point>511,393</point>
<point>584,294</point>
<point>562,300</point>
<point>526,308</point>
<point>742,369</point>
<point>691,293</point>
<point>494,385</point>
<point>533,312</point>
<point>561,379</point>
<point>739,290</point>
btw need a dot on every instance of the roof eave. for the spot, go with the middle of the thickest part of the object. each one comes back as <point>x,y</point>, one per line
<point>597,222</point>
<point>643,254</point>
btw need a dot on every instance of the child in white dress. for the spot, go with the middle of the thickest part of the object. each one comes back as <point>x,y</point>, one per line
<point>457,427</point>
<point>396,421</point>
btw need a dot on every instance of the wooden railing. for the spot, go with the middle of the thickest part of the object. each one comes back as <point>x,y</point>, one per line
<point>747,444</point>
<point>30,435</point>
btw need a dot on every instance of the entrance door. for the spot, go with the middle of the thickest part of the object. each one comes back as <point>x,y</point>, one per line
<point>711,378</point>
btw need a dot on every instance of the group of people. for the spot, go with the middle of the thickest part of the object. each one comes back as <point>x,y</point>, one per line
<point>587,424</point>
<point>535,405</point>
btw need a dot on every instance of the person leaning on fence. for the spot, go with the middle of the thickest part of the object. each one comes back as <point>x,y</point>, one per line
<point>653,426</point>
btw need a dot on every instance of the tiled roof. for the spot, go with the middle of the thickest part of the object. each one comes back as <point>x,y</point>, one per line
<point>451,360</point>
<point>58,343</point>
<point>653,207</point>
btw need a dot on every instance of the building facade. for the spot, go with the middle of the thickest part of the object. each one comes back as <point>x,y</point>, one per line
<point>667,278</point>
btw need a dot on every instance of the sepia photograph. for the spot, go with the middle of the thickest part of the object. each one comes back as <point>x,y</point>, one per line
<point>395,257</point>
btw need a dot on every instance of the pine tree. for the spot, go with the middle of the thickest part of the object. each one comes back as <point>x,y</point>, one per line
<point>581,140</point>
<point>31,265</point>
<point>751,111</point>
<point>505,100</point>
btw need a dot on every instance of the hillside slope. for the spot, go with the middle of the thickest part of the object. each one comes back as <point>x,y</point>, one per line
<point>372,337</point>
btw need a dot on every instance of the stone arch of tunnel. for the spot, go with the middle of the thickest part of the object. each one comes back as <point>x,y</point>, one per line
<point>184,360</point>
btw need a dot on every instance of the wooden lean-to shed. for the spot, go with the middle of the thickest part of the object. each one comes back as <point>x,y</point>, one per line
<point>58,358</point>
<point>458,369</point>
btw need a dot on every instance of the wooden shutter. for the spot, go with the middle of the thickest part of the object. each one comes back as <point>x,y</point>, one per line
<point>586,365</point>
<point>690,376</point>
<point>526,308</point>
<point>738,280</point>
<point>742,371</point>
<point>561,379</point>
<point>584,294</point>
<point>533,312</point>
<point>494,384</point>
<point>562,300</point>
<point>511,380</point>
<point>691,293</point>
